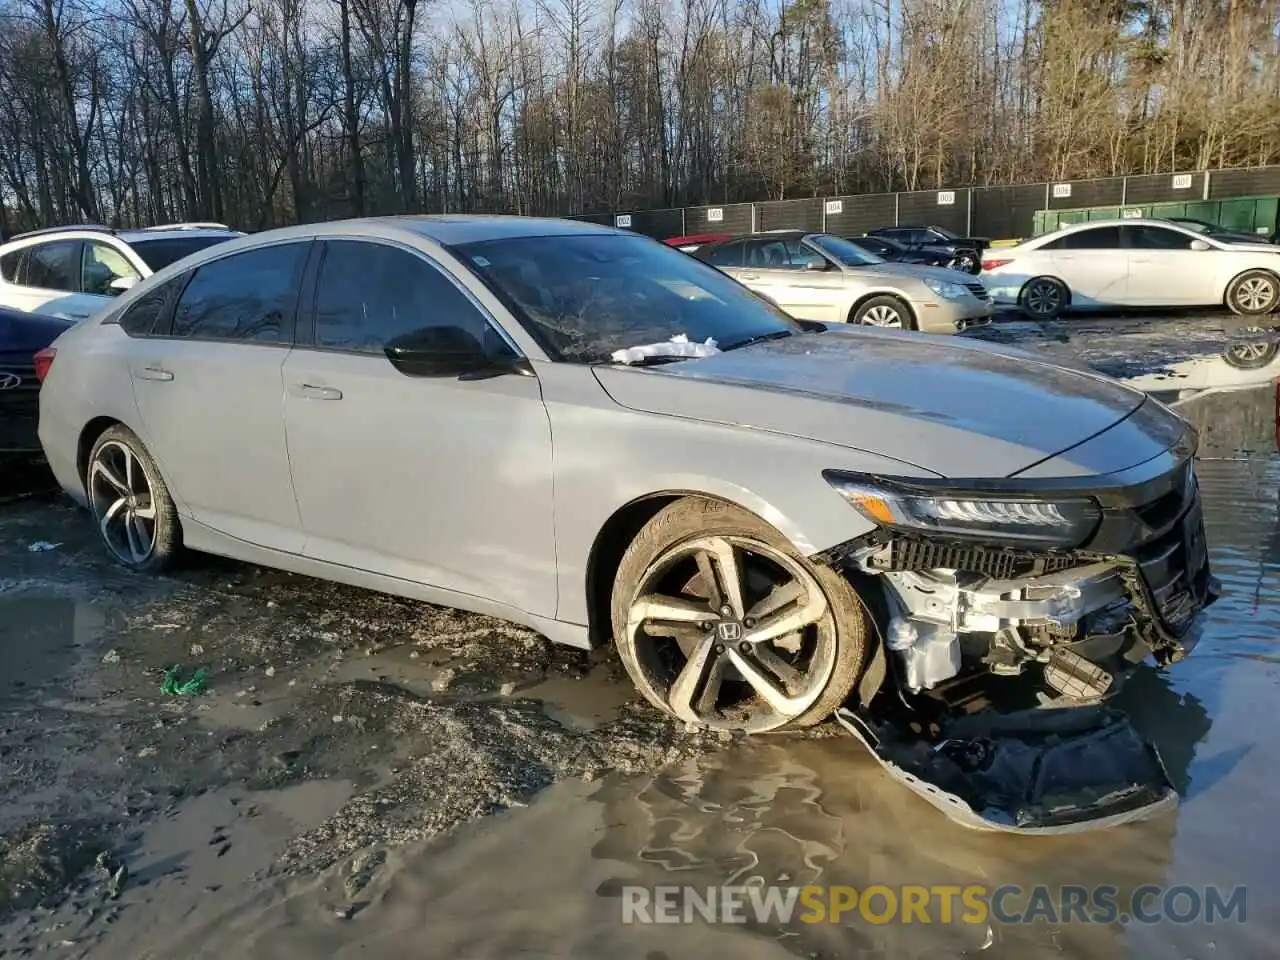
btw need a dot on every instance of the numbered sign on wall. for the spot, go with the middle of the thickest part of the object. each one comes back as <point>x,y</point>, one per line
<point>622,221</point>
<point>715,214</point>
<point>1182,181</point>
<point>1131,213</point>
<point>946,198</point>
<point>834,207</point>
<point>1061,190</point>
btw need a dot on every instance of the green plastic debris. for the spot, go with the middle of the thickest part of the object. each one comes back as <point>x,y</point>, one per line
<point>174,685</point>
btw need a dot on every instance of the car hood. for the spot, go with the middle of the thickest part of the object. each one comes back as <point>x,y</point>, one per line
<point>918,271</point>
<point>951,407</point>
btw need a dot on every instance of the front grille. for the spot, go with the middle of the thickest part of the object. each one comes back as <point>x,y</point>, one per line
<point>1160,514</point>
<point>999,564</point>
<point>19,407</point>
<point>979,290</point>
<point>1175,566</point>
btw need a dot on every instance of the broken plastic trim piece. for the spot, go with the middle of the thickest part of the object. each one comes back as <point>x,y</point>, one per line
<point>1037,772</point>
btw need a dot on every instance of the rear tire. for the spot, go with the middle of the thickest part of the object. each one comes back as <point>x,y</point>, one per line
<point>1043,298</point>
<point>136,519</point>
<point>1254,293</point>
<point>884,311</point>
<point>708,595</point>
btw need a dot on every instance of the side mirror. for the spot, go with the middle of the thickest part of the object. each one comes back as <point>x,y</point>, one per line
<point>450,352</point>
<point>817,263</point>
<point>121,284</point>
<point>1201,245</point>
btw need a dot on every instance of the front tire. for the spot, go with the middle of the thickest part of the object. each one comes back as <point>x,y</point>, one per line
<point>885,311</point>
<point>135,515</point>
<point>721,623</point>
<point>1254,293</point>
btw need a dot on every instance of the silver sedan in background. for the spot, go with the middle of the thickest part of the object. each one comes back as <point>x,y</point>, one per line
<point>817,276</point>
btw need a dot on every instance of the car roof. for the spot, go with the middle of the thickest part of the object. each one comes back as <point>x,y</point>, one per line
<point>85,231</point>
<point>446,229</point>
<point>449,229</point>
<point>1114,222</point>
<point>168,233</point>
<point>771,234</point>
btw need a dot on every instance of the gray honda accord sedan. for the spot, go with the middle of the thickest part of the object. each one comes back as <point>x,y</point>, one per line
<point>584,431</point>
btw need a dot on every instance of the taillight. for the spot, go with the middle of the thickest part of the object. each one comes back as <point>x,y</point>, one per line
<point>992,264</point>
<point>44,360</point>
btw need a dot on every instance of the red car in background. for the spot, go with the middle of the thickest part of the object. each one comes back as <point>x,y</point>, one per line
<point>694,241</point>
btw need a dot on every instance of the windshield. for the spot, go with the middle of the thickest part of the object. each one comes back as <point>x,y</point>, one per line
<point>161,252</point>
<point>583,297</point>
<point>849,254</point>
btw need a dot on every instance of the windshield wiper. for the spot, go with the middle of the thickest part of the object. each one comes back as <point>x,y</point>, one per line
<point>760,338</point>
<point>654,361</point>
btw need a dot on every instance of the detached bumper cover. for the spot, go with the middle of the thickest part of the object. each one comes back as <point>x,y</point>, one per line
<point>1035,772</point>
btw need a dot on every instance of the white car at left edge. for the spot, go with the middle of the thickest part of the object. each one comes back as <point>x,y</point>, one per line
<point>74,271</point>
<point>1133,263</point>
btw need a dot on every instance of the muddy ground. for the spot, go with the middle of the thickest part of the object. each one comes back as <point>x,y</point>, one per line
<point>366,776</point>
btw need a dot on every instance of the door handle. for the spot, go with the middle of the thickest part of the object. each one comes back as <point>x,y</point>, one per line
<point>751,276</point>
<point>312,392</point>
<point>155,373</point>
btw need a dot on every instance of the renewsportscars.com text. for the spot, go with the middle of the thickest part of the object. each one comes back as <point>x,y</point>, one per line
<point>910,903</point>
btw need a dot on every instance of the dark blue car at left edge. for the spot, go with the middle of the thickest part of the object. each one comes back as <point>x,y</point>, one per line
<point>22,336</point>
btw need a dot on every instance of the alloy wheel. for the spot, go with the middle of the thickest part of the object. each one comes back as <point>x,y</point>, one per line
<point>1256,294</point>
<point>882,315</point>
<point>121,499</point>
<point>1043,298</point>
<point>732,633</point>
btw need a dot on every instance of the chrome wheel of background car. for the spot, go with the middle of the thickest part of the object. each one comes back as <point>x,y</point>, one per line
<point>964,263</point>
<point>882,315</point>
<point>732,633</point>
<point>1042,298</point>
<point>120,496</point>
<point>1255,294</point>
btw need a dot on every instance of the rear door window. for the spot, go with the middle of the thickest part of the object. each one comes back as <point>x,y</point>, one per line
<point>248,296</point>
<point>1097,238</point>
<point>768,255</point>
<point>727,254</point>
<point>54,266</point>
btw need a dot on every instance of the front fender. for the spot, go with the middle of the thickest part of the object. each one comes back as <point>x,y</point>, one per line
<point>607,458</point>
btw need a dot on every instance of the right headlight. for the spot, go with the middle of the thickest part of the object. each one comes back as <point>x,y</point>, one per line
<point>1002,517</point>
<point>945,289</point>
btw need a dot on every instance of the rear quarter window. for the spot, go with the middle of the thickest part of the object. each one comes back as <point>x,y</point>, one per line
<point>144,316</point>
<point>11,265</point>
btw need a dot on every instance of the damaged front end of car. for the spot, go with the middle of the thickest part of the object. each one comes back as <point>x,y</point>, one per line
<point>1009,611</point>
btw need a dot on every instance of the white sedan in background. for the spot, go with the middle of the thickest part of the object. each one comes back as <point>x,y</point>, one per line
<point>1133,263</point>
